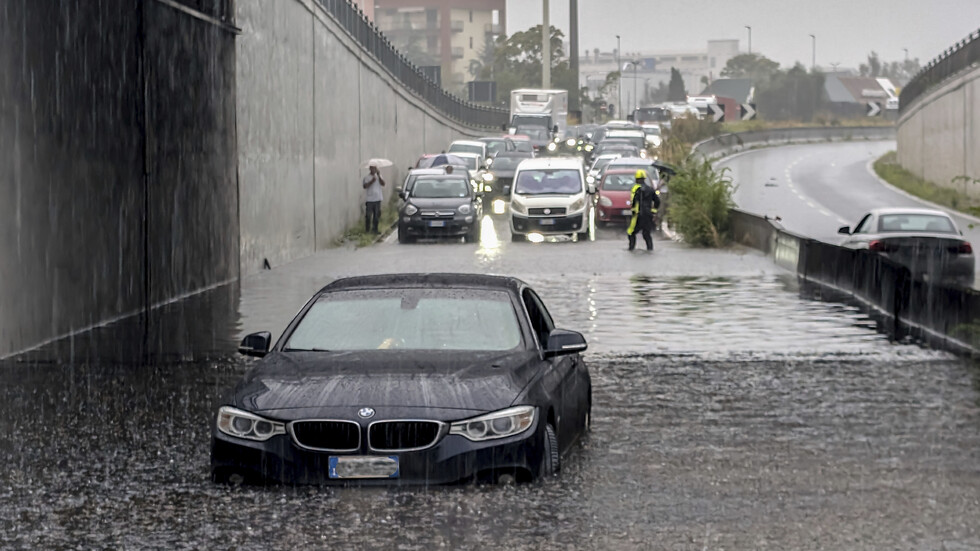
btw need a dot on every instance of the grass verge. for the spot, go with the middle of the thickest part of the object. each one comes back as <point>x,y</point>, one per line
<point>355,234</point>
<point>889,170</point>
<point>818,122</point>
<point>700,198</point>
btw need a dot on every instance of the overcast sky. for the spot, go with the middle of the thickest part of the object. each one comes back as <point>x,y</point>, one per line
<point>846,30</point>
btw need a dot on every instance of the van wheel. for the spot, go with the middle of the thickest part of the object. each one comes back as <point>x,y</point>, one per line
<point>517,237</point>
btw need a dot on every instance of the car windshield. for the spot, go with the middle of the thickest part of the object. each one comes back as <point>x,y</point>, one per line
<point>618,182</point>
<point>506,163</point>
<point>495,146</point>
<point>601,163</point>
<point>465,148</point>
<point>530,122</point>
<point>652,173</point>
<point>409,319</point>
<point>472,163</point>
<point>534,132</point>
<point>652,130</point>
<point>927,223</point>
<point>523,145</point>
<point>552,181</point>
<point>440,188</point>
<point>637,138</point>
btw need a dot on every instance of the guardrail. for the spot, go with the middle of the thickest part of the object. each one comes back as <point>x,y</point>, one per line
<point>371,39</point>
<point>961,55</point>
<point>937,314</point>
<point>727,144</point>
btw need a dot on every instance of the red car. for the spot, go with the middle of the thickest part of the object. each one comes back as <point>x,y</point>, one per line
<point>614,195</point>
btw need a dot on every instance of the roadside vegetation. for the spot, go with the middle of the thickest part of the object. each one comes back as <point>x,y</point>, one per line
<point>888,169</point>
<point>355,234</point>
<point>700,198</point>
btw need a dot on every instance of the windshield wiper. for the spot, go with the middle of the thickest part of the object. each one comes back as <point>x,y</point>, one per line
<point>306,350</point>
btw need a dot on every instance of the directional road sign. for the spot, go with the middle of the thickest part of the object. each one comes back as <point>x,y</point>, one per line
<point>874,108</point>
<point>716,112</point>
<point>748,111</point>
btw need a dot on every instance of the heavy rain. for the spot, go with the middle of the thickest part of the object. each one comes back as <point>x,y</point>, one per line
<point>180,175</point>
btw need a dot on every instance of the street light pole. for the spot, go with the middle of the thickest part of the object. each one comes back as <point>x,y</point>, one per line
<point>636,99</point>
<point>573,102</point>
<point>813,61</point>
<point>546,48</point>
<point>750,38</point>
<point>906,50</point>
<point>619,71</point>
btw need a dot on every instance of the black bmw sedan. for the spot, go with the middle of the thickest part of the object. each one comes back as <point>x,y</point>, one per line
<point>407,379</point>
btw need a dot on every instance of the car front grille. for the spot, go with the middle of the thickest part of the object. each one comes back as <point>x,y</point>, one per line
<point>551,212</point>
<point>327,435</point>
<point>437,213</point>
<point>404,435</point>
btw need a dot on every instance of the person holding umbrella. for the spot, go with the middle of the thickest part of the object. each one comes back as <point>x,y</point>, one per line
<point>373,195</point>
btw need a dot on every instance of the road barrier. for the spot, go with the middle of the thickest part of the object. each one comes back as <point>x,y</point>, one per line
<point>960,56</point>
<point>367,34</point>
<point>942,315</point>
<point>727,144</point>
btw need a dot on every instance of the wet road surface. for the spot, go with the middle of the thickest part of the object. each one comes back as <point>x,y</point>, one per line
<point>730,413</point>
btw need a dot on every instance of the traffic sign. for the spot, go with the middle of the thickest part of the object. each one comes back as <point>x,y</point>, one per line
<point>874,108</point>
<point>748,111</point>
<point>716,112</point>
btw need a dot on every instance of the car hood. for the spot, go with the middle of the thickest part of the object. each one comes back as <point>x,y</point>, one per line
<point>476,381</point>
<point>621,198</point>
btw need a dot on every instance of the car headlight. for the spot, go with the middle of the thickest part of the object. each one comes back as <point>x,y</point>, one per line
<point>487,177</point>
<point>571,142</point>
<point>499,424</point>
<point>552,146</point>
<point>579,204</point>
<point>410,209</point>
<point>518,207</point>
<point>465,208</point>
<point>655,141</point>
<point>605,201</point>
<point>490,161</point>
<point>589,147</point>
<point>242,424</point>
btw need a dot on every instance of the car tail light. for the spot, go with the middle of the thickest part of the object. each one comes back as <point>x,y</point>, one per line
<point>964,248</point>
<point>881,246</point>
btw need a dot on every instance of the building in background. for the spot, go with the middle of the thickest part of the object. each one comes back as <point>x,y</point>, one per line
<point>451,34</point>
<point>366,6</point>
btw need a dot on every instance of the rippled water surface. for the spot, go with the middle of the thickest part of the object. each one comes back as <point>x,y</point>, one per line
<point>729,413</point>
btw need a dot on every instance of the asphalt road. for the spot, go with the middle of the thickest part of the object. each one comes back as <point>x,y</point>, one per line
<point>817,188</point>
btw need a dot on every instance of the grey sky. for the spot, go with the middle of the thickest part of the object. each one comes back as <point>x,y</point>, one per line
<point>846,30</point>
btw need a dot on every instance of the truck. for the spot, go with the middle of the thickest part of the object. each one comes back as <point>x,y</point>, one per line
<point>539,108</point>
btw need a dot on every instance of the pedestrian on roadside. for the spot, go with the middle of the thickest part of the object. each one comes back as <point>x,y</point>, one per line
<point>644,202</point>
<point>373,196</point>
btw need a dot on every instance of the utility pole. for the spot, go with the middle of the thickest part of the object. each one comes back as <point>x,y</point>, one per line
<point>813,61</point>
<point>750,38</point>
<point>906,50</point>
<point>636,99</point>
<point>619,71</point>
<point>573,102</point>
<point>546,48</point>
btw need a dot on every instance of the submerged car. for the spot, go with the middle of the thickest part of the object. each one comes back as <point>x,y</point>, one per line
<point>407,379</point>
<point>440,205</point>
<point>925,241</point>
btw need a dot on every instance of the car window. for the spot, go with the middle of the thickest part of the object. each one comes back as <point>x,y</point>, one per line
<point>618,182</point>
<point>440,188</point>
<point>864,226</point>
<point>927,223</point>
<point>548,181</point>
<point>465,148</point>
<point>410,319</point>
<point>541,321</point>
<point>506,163</point>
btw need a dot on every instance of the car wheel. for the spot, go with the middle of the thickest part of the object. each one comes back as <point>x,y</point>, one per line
<point>403,237</point>
<point>517,237</point>
<point>551,460</point>
<point>473,236</point>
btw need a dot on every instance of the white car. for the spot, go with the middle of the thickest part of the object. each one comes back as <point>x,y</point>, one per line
<point>469,146</point>
<point>476,165</point>
<point>550,196</point>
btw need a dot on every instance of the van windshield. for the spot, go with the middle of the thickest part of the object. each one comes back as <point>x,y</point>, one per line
<point>548,182</point>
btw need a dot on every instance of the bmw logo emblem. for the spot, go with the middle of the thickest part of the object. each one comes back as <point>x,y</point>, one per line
<point>365,413</point>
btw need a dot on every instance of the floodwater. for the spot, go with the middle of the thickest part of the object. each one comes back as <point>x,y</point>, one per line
<point>729,412</point>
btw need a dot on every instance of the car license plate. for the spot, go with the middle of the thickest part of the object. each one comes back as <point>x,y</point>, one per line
<point>547,222</point>
<point>627,212</point>
<point>363,466</point>
<point>437,224</point>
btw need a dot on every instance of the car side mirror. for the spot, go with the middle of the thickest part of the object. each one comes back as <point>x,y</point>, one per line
<point>845,230</point>
<point>555,129</point>
<point>403,195</point>
<point>256,344</point>
<point>562,342</point>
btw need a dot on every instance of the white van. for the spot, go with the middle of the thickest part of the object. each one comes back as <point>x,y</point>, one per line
<point>550,197</point>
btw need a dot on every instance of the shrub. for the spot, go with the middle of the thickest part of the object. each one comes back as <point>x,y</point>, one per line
<point>700,197</point>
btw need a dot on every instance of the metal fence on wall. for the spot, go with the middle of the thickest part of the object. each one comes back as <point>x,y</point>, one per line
<point>961,55</point>
<point>370,37</point>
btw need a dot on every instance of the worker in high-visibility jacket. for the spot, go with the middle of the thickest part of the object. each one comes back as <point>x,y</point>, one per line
<point>644,202</point>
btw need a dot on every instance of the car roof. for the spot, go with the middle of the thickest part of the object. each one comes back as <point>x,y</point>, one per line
<point>467,142</point>
<point>427,171</point>
<point>630,161</point>
<point>440,280</point>
<point>902,210</point>
<point>466,155</point>
<point>551,162</point>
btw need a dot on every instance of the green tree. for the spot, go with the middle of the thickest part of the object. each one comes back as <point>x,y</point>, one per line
<point>517,63</point>
<point>675,89</point>
<point>752,66</point>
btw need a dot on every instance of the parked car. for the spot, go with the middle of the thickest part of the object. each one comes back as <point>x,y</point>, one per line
<point>550,197</point>
<point>624,148</point>
<point>440,205</point>
<point>926,241</point>
<point>407,379</point>
<point>614,196</point>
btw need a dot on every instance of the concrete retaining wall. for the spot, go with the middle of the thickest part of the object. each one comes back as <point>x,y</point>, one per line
<point>117,162</point>
<point>311,106</point>
<point>939,136</point>
<point>728,144</point>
